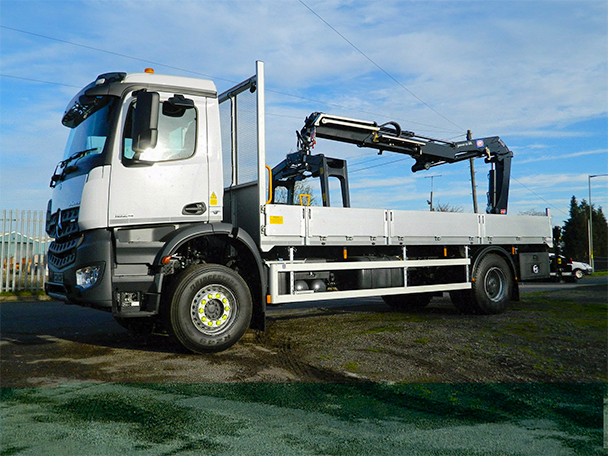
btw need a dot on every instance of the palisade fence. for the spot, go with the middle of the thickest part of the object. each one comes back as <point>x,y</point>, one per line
<point>600,263</point>
<point>23,251</point>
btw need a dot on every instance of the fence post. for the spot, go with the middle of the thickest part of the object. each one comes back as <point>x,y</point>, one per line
<point>8,254</point>
<point>19,258</point>
<point>42,259</point>
<point>2,254</point>
<point>33,285</point>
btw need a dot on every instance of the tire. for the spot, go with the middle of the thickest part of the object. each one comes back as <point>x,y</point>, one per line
<point>408,301</point>
<point>492,285</point>
<point>210,308</point>
<point>578,274</point>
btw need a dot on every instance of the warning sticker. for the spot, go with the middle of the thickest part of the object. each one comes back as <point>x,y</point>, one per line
<point>276,219</point>
<point>213,199</point>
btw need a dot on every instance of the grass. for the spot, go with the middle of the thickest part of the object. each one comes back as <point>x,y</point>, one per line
<point>383,329</point>
<point>22,293</point>
<point>351,367</point>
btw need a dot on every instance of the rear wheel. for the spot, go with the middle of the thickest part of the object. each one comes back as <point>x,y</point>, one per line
<point>408,301</point>
<point>578,274</point>
<point>210,308</point>
<point>492,285</point>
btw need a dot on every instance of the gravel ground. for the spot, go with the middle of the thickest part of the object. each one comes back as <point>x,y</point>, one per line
<point>547,337</point>
<point>555,336</point>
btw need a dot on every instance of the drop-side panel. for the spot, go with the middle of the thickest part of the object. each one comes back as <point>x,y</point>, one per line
<point>346,226</point>
<point>418,227</point>
<point>283,225</point>
<point>517,229</point>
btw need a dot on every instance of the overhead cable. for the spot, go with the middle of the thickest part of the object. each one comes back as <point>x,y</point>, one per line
<point>380,68</point>
<point>150,62</point>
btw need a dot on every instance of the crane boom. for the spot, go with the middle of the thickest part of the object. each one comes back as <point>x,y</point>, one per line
<point>427,152</point>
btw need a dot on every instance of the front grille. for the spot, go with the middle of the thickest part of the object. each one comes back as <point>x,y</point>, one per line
<point>62,223</point>
<point>63,253</point>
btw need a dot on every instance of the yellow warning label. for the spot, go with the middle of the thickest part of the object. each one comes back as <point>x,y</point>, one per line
<point>213,199</point>
<point>276,219</point>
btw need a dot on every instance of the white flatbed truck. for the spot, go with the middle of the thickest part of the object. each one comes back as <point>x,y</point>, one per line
<point>163,212</point>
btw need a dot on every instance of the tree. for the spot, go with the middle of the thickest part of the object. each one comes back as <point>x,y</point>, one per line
<point>447,207</point>
<point>575,235</point>
<point>600,239</point>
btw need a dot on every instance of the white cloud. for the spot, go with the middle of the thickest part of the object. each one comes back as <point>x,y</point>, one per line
<point>551,157</point>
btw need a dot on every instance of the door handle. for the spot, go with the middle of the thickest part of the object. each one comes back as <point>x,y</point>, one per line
<point>194,209</point>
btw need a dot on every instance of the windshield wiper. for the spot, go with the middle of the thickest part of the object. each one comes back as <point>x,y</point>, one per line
<point>65,169</point>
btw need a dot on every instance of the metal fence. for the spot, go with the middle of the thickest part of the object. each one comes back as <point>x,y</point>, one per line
<point>600,264</point>
<point>23,247</point>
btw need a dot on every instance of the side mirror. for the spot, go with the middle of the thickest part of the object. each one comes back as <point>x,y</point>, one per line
<point>176,106</point>
<point>145,121</point>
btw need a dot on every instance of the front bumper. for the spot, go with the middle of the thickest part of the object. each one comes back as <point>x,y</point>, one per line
<point>93,248</point>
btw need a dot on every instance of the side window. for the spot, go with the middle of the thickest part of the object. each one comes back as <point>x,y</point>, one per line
<point>176,135</point>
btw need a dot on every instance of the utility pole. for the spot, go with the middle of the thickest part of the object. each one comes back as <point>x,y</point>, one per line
<point>473,186</point>
<point>430,202</point>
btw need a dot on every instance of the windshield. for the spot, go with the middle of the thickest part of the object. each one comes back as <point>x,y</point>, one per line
<point>91,134</point>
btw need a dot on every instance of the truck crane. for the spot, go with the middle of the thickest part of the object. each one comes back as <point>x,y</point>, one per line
<point>428,152</point>
<point>163,213</point>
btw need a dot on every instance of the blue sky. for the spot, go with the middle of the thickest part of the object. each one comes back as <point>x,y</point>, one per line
<point>534,73</point>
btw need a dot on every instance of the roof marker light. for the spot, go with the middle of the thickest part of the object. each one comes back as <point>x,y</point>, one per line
<point>149,70</point>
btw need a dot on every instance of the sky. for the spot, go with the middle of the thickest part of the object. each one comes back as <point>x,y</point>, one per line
<point>534,73</point>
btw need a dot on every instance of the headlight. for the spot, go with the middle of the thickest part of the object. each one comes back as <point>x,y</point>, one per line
<point>88,276</point>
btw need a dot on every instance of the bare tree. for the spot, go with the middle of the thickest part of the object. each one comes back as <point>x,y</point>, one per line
<point>446,207</point>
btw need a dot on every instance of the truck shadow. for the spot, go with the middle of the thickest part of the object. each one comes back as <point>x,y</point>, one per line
<point>62,325</point>
<point>439,306</point>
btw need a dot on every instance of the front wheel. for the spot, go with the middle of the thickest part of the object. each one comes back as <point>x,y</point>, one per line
<point>210,308</point>
<point>492,285</point>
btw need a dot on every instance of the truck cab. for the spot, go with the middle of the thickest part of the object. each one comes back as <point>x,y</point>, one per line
<point>111,202</point>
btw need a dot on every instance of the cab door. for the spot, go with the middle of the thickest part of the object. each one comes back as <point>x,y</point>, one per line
<point>167,183</point>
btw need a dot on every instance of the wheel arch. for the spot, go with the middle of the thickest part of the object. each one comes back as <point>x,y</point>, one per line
<point>244,245</point>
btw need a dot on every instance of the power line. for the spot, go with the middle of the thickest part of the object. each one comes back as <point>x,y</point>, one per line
<point>150,62</point>
<point>381,164</point>
<point>327,103</point>
<point>536,194</point>
<point>380,68</point>
<point>38,80</point>
<point>118,54</point>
